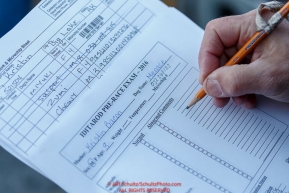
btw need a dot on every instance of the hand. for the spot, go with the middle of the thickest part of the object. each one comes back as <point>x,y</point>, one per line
<point>267,71</point>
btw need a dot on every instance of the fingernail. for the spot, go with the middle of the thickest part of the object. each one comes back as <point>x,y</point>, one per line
<point>214,88</point>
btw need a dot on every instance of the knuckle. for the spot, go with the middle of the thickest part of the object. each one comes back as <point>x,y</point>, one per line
<point>216,23</point>
<point>211,25</point>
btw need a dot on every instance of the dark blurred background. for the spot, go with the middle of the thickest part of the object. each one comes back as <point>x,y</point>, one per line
<point>200,11</point>
<point>16,177</point>
<point>12,11</point>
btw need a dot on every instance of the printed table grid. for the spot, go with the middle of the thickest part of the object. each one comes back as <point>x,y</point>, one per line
<point>33,114</point>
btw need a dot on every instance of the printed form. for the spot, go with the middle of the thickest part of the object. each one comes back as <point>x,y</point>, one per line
<point>93,95</point>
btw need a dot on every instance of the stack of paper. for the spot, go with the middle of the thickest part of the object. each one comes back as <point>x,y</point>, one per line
<point>93,96</point>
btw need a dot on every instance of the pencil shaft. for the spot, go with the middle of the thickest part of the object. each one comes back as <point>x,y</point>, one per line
<point>247,48</point>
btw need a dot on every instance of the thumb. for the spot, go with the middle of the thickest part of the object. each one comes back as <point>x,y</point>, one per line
<point>231,81</point>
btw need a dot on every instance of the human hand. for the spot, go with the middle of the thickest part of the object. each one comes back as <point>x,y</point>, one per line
<point>267,71</point>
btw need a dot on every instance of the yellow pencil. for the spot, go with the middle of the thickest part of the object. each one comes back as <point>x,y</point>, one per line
<point>244,51</point>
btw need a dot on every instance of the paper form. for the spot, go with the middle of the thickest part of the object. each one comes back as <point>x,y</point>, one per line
<point>66,65</point>
<point>95,100</point>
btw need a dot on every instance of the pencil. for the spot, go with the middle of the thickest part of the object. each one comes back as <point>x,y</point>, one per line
<point>243,52</point>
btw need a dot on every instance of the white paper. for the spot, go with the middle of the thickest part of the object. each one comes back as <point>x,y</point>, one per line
<point>96,102</point>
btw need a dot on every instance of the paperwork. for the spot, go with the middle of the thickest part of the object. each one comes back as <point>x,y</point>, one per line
<point>93,96</point>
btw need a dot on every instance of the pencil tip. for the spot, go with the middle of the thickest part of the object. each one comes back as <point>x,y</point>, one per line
<point>193,102</point>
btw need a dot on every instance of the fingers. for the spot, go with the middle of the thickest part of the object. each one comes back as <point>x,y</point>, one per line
<point>233,81</point>
<point>224,35</point>
<point>220,102</point>
<point>240,99</point>
<point>249,100</point>
<point>266,74</point>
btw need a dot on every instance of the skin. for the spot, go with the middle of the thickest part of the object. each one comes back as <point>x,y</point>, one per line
<point>265,71</point>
